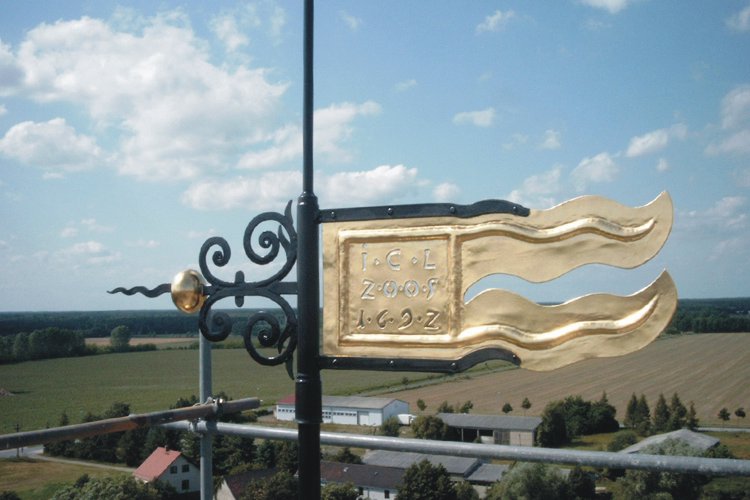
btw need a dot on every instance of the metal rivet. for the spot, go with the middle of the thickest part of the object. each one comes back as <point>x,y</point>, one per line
<point>514,209</point>
<point>453,210</point>
<point>390,211</point>
<point>333,215</point>
<point>334,361</point>
<point>391,363</point>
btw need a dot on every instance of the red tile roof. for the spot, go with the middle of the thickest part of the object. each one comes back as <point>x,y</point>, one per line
<point>156,464</point>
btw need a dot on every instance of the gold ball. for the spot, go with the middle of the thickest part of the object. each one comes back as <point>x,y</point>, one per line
<point>187,291</point>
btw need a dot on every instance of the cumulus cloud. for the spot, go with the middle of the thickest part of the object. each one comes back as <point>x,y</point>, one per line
<point>446,192</point>
<point>332,128</point>
<point>406,85</point>
<point>735,107</point>
<point>495,21</point>
<point>352,22</point>
<point>662,165</point>
<point>655,140</point>
<point>551,140</point>
<point>379,185</point>
<point>225,28</point>
<point>737,143</point>
<point>540,190</point>
<point>740,21</point>
<point>88,252</point>
<point>611,6</point>
<point>53,146</point>
<point>598,169</point>
<point>257,192</point>
<point>178,114</point>
<point>482,118</point>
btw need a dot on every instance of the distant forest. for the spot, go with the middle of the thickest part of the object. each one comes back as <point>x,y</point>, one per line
<point>693,315</point>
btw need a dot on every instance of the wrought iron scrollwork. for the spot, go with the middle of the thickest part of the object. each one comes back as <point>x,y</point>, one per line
<point>278,332</point>
<point>217,325</point>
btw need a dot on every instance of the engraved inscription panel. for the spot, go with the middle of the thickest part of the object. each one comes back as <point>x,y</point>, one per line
<point>396,286</point>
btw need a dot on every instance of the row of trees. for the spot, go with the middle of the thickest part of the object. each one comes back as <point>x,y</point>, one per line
<point>56,342</point>
<point>666,417</point>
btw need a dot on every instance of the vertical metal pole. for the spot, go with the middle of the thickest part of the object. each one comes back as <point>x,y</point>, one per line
<point>308,392</point>
<point>206,462</point>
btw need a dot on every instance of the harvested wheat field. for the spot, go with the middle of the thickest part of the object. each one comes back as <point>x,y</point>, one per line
<point>712,370</point>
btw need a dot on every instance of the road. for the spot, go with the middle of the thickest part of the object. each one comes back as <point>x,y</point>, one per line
<point>36,453</point>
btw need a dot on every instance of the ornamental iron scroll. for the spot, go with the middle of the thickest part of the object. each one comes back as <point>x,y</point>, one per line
<point>193,291</point>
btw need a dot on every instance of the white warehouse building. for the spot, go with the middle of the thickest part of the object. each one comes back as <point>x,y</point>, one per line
<point>349,410</point>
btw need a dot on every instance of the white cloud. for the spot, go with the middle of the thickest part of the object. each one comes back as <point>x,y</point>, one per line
<point>726,214</point>
<point>53,146</point>
<point>538,191</point>
<point>379,185</point>
<point>742,177</point>
<point>445,192</point>
<point>611,6</point>
<point>551,140</point>
<point>735,107</point>
<point>88,252</point>
<point>495,21</point>
<point>655,140</point>
<point>482,118</point>
<point>516,140</point>
<point>662,165</point>
<point>737,143</point>
<point>728,207</point>
<point>3,109</point>
<point>332,127</point>
<point>352,22</point>
<point>144,243</point>
<point>93,226</point>
<point>740,21</point>
<point>69,232</point>
<point>600,168</point>
<point>256,193</point>
<point>226,29</point>
<point>178,114</point>
<point>406,85</point>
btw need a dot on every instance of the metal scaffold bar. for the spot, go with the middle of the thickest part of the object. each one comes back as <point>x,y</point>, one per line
<point>77,431</point>
<point>611,460</point>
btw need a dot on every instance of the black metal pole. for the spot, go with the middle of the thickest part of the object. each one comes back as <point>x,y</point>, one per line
<point>308,390</point>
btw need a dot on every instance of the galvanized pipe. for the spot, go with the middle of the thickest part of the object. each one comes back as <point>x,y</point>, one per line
<point>119,424</point>
<point>611,460</point>
<point>205,390</point>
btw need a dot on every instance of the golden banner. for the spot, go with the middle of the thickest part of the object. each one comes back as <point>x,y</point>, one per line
<point>395,288</point>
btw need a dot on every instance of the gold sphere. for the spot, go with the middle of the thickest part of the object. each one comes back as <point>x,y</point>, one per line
<point>187,291</point>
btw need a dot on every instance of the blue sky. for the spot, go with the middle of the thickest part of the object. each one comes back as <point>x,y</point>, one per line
<point>131,132</point>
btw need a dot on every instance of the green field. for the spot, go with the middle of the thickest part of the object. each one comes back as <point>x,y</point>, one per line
<point>150,381</point>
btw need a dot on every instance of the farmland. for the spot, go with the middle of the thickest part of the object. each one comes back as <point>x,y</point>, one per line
<point>712,370</point>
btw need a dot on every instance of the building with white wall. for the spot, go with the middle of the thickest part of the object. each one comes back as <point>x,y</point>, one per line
<point>349,410</point>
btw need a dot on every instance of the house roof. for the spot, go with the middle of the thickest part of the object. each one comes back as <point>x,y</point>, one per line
<point>494,422</point>
<point>238,483</point>
<point>488,473</point>
<point>360,402</point>
<point>693,439</point>
<point>371,476</point>
<point>456,466</point>
<point>156,464</point>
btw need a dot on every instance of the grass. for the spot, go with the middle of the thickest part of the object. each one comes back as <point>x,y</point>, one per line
<point>24,476</point>
<point>151,381</point>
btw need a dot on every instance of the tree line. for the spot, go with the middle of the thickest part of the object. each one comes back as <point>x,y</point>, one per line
<point>49,343</point>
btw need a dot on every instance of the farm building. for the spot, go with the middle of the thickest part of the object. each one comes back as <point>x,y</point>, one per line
<point>169,467</point>
<point>695,440</point>
<point>459,468</point>
<point>349,410</point>
<point>372,481</point>
<point>493,429</point>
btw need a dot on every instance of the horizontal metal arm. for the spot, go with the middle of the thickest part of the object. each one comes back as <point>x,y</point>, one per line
<point>611,460</point>
<point>119,424</point>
